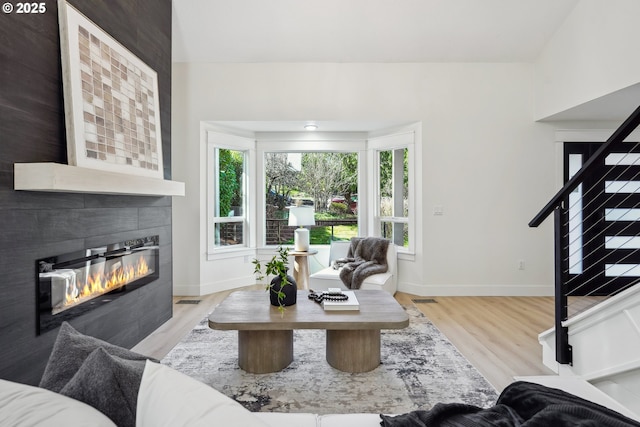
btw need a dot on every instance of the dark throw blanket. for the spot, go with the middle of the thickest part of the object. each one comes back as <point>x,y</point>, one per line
<point>366,256</point>
<point>520,404</point>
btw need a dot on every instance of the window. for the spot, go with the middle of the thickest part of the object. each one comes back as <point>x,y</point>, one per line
<point>327,181</point>
<point>357,186</point>
<point>228,158</point>
<point>393,175</point>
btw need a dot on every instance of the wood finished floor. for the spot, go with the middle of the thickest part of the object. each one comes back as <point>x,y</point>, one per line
<point>498,335</point>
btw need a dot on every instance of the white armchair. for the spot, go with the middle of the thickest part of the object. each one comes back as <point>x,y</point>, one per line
<point>330,277</point>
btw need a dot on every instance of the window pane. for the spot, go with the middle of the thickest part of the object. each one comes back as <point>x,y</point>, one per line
<point>397,232</point>
<point>394,183</point>
<point>230,200</point>
<point>622,159</point>
<point>622,270</point>
<point>622,187</point>
<point>386,230</point>
<point>228,206</point>
<point>624,214</point>
<point>228,234</point>
<point>622,242</point>
<point>326,181</point>
<point>575,218</point>
<point>405,235</point>
<point>386,179</point>
<point>405,182</point>
<point>393,176</point>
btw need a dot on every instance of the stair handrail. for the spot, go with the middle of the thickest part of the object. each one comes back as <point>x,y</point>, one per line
<point>564,351</point>
<point>625,129</point>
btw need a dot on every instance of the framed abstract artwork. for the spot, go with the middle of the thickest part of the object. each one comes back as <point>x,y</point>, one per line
<point>112,111</point>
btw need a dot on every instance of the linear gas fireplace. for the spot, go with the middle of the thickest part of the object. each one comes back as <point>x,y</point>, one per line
<point>72,284</point>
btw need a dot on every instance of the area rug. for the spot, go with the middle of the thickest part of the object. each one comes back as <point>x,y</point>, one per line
<point>419,368</point>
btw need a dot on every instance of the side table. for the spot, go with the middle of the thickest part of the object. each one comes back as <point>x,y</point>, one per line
<point>301,267</point>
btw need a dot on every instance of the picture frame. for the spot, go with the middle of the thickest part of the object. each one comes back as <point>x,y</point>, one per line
<point>111,99</point>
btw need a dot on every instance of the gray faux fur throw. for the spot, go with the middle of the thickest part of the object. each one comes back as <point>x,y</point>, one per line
<point>366,256</point>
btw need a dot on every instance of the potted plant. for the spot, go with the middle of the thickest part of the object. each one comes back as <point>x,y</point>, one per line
<point>282,288</point>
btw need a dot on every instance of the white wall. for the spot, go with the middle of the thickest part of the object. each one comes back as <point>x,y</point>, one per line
<point>594,53</point>
<point>484,160</point>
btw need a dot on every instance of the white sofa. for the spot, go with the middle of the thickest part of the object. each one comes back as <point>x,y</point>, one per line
<point>330,278</point>
<point>167,398</point>
<point>89,382</point>
<point>163,387</point>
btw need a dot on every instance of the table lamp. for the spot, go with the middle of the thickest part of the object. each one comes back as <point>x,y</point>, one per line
<point>300,216</point>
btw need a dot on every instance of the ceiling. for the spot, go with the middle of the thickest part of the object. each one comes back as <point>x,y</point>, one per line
<point>364,30</point>
<point>228,31</point>
<point>615,107</point>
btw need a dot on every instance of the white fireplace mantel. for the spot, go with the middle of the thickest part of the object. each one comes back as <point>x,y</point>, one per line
<point>63,178</point>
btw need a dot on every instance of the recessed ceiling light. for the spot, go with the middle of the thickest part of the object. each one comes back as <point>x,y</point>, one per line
<point>311,126</point>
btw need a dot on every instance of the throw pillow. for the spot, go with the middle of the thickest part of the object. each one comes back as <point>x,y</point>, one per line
<point>69,353</point>
<point>27,406</point>
<point>169,398</point>
<point>110,384</point>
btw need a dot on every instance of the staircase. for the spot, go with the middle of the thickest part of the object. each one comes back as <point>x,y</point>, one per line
<point>595,348</point>
<point>606,351</point>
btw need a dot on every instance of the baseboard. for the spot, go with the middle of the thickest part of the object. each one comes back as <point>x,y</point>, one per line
<point>476,290</point>
<point>186,290</point>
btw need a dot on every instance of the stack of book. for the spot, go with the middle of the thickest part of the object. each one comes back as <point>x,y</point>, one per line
<point>349,304</point>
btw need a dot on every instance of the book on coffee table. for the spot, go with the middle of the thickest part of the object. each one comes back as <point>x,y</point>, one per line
<point>349,304</point>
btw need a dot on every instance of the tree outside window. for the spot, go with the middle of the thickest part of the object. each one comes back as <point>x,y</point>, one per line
<point>229,219</point>
<point>326,181</point>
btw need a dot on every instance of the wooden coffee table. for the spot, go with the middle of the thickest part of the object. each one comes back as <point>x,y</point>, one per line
<point>265,336</point>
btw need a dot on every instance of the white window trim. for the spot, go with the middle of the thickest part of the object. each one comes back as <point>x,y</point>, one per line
<point>238,143</point>
<point>362,143</point>
<point>384,143</point>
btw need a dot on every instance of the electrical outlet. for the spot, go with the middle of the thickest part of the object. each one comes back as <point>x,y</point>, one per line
<point>521,264</point>
<point>438,210</point>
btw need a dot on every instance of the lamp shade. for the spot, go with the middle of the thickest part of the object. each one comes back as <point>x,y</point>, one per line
<point>301,215</point>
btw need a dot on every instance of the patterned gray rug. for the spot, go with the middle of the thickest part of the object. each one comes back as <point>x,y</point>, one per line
<point>420,368</point>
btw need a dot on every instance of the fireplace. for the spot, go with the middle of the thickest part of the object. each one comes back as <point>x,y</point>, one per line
<point>72,284</point>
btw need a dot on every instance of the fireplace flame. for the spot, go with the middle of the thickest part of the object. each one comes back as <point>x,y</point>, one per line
<point>102,282</point>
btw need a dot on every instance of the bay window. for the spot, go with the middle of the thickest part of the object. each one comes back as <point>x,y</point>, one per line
<point>357,187</point>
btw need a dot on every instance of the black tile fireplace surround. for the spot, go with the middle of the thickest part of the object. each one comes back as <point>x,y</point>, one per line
<point>34,225</point>
<point>72,284</point>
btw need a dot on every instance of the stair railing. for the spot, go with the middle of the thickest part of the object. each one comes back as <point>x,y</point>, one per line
<point>559,206</point>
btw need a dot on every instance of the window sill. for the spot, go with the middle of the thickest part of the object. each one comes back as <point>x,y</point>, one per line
<point>406,256</point>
